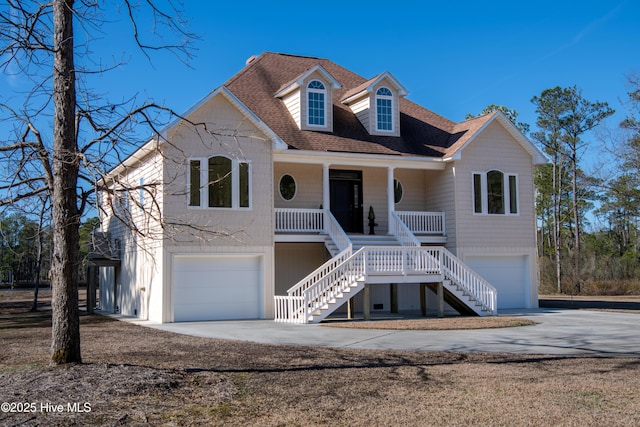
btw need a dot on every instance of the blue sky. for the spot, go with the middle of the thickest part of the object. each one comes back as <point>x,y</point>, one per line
<point>453,57</point>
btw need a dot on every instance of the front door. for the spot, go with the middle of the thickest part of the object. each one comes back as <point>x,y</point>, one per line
<point>346,199</point>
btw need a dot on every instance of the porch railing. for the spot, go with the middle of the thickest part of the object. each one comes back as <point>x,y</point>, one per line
<point>402,232</point>
<point>299,220</point>
<point>423,222</point>
<point>336,232</point>
<point>402,260</point>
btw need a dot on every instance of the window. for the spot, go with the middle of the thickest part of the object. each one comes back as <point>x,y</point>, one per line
<point>397,191</point>
<point>287,187</point>
<point>228,183</point>
<point>495,193</point>
<point>316,93</point>
<point>220,182</point>
<point>384,109</point>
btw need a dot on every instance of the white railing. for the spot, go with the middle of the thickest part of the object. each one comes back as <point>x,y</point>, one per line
<point>333,284</point>
<point>299,220</point>
<point>320,287</point>
<point>402,260</point>
<point>423,222</point>
<point>331,279</point>
<point>289,309</point>
<point>401,232</point>
<point>335,231</point>
<point>470,281</point>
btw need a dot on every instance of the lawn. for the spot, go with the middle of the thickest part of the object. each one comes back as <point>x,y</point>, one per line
<point>133,375</point>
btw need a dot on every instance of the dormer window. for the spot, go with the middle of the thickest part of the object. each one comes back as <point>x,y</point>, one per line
<point>384,110</point>
<point>316,93</point>
<point>309,99</point>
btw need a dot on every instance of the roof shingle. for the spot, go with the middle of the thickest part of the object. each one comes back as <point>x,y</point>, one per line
<point>423,132</point>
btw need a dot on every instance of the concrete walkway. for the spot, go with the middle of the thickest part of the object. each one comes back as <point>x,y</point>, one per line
<point>560,332</point>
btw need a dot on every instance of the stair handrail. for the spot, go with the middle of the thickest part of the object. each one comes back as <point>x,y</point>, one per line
<point>453,268</point>
<point>315,275</point>
<point>402,233</point>
<point>471,282</point>
<point>336,232</point>
<point>335,281</point>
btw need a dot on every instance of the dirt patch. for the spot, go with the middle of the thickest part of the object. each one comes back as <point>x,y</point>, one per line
<point>137,376</point>
<point>444,324</point>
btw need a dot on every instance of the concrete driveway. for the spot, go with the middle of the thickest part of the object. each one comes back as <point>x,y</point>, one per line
<point>558,331</point>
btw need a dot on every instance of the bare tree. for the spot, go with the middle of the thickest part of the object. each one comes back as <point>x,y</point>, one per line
<point>63,137</point>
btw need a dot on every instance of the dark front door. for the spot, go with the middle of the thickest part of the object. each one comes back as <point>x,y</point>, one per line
<point>346,199</point>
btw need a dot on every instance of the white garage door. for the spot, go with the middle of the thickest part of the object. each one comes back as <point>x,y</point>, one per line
<point>508,274</point>
<point>216,288</point>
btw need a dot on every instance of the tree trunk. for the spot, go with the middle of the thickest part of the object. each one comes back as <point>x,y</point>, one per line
<point>65,346</point>
<point>557,237</point>
<point>576,220</point>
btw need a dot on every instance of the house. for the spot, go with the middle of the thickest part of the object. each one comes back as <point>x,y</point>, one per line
<point>256,203</point>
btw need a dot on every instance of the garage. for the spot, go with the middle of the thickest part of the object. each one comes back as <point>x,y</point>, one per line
<point>216,287</point>
<point>508,274</point>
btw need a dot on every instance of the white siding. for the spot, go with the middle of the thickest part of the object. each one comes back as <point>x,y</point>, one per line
<point>495,149</point>
<point>134,288</point>
<point>234,137</point>
<point>294,261</point>
<point>361,110</point>
<point>414,190</point>
<point>292,102</point>
<point>440,197</point>
<point>308,185</point>
<point>492,238</point>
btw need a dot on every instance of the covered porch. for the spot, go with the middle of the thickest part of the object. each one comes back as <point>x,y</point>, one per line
<point>364,197</point>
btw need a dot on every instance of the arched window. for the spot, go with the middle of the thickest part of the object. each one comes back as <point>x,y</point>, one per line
<point>220,182</point>
<point>384,109</point>
<point>495,193</point>
<point>316,95</point>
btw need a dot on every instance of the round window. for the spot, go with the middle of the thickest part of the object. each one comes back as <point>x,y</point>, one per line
<point>397,191</point>
<point>287,187</point>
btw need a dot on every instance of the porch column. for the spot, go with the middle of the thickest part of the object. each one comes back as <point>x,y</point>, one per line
<point>366,309</point>
<point>423,299</point>
<point>390,200</point>
<point>394,297</point>
<point>325,190</point>
<point>440,299</point>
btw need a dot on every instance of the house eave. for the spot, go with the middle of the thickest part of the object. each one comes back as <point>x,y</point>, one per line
<point>358,159</point>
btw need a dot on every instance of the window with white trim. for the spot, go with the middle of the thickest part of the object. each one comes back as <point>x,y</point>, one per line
<point>495,193</point>
<point>384,110</point>
<point>316,96</point>
<point>219,182</point>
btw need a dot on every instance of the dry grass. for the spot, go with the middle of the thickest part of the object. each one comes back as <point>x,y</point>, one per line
<point>444,324</point>
<point>138,376</point>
